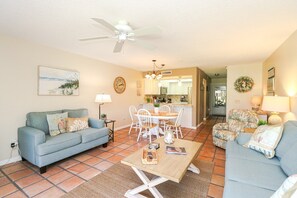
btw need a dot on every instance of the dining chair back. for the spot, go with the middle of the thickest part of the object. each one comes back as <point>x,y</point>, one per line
<point>176,126</point>
<point>145,123</point>
<point>134,120</point>
<point>165,108</point>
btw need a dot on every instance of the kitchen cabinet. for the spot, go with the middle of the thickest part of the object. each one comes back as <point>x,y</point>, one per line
<point>175,89</point>
<point>151,87</point>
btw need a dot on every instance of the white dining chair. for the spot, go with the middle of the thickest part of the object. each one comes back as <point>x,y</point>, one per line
<point>176,126</point>
<point>145,123</point>
<point>167,109</point>
<point>149,107</point>
<point>134,120</point>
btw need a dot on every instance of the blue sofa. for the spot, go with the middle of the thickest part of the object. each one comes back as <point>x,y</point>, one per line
<point>250,174</point>
<point>41,149</point>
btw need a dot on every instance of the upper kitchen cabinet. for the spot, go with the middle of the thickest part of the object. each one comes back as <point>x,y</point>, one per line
<point>151,87</point>
<point>179,87</point>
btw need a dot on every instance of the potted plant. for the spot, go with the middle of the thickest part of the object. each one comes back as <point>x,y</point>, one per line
<point>262,122</point>
<point>156,105</point>
<point>103,116</point>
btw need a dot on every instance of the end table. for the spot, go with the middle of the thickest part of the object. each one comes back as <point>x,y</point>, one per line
<point>111,130</point>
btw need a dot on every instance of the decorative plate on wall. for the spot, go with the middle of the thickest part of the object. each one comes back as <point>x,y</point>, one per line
<point>243,84</point>
<point>119,84</point>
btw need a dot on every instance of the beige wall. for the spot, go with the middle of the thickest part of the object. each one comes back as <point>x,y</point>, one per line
<point>19,61</point>
<point>284,59</point>
<point>236,100</point>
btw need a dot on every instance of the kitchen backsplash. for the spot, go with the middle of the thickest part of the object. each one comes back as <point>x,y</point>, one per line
<point>171,98</point>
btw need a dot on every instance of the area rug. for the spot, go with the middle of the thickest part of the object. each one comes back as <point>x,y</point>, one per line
<point>119,178</point>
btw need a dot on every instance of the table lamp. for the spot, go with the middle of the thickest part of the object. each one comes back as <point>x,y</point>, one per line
<point>275,104</point>
<point>101,99</point>
<point>256,102</point>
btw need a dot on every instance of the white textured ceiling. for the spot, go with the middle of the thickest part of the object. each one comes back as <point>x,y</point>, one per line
<point>209,34</point>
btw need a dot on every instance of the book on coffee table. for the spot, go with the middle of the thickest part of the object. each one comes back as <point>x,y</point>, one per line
<point>176,150</point>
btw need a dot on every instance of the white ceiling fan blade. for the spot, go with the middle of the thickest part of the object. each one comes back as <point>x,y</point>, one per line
<point>147,31</point>
<point>106,24</point>
<point>118,46</point>
<point>94,38</point>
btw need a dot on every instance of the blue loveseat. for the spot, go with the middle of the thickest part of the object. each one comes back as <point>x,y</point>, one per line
<point>249,174</point>
<point>41,149</point>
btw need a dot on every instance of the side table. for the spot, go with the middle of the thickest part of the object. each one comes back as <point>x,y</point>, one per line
<point>111,130</point>
<point>249,130</point>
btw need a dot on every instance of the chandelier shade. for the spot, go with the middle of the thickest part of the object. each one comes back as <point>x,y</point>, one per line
<point>156,73</point>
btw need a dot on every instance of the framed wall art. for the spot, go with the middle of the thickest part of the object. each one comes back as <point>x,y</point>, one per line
<point>57,82</point>
<point>271,82</point>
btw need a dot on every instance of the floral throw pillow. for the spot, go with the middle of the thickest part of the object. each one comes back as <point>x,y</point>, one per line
<point>265,139</point>
<point>288,189</point>
<point>76,124</point>
<point>57,123</point>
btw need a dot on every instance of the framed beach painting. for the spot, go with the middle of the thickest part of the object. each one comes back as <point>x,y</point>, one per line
<point>57,82</point>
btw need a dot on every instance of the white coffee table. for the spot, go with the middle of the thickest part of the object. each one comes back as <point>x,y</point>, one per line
<point>170,167</point>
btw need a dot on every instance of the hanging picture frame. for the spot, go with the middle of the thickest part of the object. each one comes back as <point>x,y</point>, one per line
<point>271,82</point>
<point>57,82</point>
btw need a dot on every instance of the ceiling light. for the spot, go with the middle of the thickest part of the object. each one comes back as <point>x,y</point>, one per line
<point>156,73</point>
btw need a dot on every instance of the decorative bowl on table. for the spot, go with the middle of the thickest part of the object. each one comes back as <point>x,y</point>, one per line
<point>168,137</point>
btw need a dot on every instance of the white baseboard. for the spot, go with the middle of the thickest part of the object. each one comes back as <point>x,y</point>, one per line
<point>11,160</point>
<point>122,127</point>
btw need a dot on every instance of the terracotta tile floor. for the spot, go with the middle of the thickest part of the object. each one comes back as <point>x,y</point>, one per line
<point>21,179</point>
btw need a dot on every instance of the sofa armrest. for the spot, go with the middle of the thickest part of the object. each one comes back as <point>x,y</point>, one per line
<point>28,139</point>
<point>243,138</point>
<point>221,126</point>
<point>96,123</point>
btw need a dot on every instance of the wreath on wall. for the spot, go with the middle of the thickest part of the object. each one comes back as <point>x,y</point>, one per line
<point>243,84</point>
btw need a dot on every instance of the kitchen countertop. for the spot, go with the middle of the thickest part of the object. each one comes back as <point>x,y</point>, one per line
<point>175,104</point>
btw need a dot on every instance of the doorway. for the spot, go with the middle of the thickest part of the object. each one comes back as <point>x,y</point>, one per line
<point>204,82</point>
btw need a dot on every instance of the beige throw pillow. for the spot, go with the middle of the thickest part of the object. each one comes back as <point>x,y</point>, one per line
<point>76,124</point>
<point>265,139</point>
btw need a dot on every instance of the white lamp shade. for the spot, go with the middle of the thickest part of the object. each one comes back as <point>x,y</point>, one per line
<point>102,98</point>
<point>256,100</point>
<point>276,103</point>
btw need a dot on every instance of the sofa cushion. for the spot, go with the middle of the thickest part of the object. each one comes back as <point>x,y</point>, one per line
<point>235,150</point>
<point>235,189</point>
<point>243,138</point>
<point>265,139</point>
<point>255,173</point>
<point>57,123</point>
<point>76,113</point>
<point>38,120</point>
<point>96,123</point>
<point>90,134</point>
<point>57,143</point>
<point>289,137</point>
<point>77,124</point>
<point>289,161</point>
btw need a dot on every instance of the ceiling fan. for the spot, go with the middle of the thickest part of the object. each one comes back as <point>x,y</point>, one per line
<point>123,32</point>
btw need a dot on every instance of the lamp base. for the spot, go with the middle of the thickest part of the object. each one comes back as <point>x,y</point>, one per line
<point>274,119</point>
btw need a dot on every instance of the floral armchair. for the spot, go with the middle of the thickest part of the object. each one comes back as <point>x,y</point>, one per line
<point>238,120</point>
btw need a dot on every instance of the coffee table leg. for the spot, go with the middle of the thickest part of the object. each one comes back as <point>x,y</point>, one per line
<point>148,185</point>
<point>194,168</point>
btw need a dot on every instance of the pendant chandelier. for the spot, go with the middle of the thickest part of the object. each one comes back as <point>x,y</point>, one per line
<point>156,73</point>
